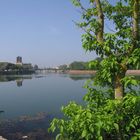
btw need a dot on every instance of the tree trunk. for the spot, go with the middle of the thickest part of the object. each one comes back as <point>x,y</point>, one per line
<point>136,20</point>
<point>119,87</point>
<point>101,22</point>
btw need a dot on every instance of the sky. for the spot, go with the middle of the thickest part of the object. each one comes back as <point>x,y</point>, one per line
<point>42,32</point>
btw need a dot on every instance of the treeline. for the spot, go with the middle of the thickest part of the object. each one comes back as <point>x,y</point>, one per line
<point>10,68</point>
<point>76,65</point>
<point>80,65</point>
<point>91,65</point>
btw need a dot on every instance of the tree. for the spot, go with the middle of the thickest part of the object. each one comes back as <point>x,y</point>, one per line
<point>78,65</point>
<point>112,109</point>
<point>120,48</point>
<point>63,67</point>
<point>36,67</point>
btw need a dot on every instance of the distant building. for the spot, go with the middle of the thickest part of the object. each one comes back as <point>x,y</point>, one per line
<point>19,60</point>
<point>24,67</point>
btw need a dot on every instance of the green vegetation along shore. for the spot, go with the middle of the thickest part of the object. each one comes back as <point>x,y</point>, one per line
<point>7,68</point>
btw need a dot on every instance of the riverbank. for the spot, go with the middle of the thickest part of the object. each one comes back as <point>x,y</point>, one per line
<point>78,72</point>
<point>93,72</point>
<point>133,72</point>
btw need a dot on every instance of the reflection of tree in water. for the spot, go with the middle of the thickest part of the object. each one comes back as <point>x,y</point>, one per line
<point>6,78</point>
<point>1,111</point>
<point>19,82</point>
<point>80,77</point>
<point>18,79</point>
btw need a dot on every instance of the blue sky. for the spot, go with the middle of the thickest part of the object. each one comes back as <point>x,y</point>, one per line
<point>41,31</point>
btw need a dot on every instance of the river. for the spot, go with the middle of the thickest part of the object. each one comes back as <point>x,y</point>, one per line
<point>29,102</point>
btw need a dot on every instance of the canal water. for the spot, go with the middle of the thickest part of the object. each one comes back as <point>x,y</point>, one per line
<point>29,102</point>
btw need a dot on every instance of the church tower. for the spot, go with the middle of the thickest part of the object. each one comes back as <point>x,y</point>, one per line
<point>19,60</point>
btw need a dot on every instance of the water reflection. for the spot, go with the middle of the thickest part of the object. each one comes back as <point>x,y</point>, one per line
<point>41,93</point>
<point>19,82</point>
<point>1,111</point>
<point>81,77</point>
<point>18,79</point>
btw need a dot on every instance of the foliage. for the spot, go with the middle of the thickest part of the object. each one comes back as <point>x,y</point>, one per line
<point>79,65</point>
<point>104,117</point>
<point>95,64</point>
<point>63,67</point>
<point>101,118</point>
<point>6,66</point>
<point>36,67</point>
<point>10,68</point>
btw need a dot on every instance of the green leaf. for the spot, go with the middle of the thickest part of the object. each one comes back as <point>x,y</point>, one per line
<point>134,138</point>
<point>76,3</point>
<point>84,133</point>
<point>134,82</point>
<point>58,137</point>
<point>89,115</point>
<point>116,126</point>
<point>100,138</point>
